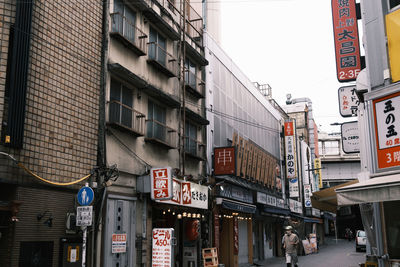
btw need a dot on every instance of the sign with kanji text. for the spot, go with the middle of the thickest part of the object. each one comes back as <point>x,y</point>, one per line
<point>347,47</point>
<point>350,137</point>
<point>307,195</point>
<point>295,206</point>
<point>317,171</point>
<point>162,253</point>
<point>348,101</point>
<point>161,183</point>
<point>290,149</point>
<point>224,161</point>
<point>188,194</point>
<point>387,130</point>
<point>118,243</point>
<point>84,215</point>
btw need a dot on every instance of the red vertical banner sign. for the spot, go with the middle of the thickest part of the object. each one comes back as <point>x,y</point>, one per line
<point>235,236</point>
<point>346,40</point>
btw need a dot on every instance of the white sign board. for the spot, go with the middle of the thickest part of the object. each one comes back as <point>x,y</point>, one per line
<point>118,243</point>
<point>188,194</point>
<point>271,200</point>
<point>84,215</point>
<point>280,203</point>
<point>307,195</point>
<point>162,254</point>
<point>316,212</point>
<point>350,137</point>
<point>294,187</point>
<point>161,183</point>
<point>348,101</point>
<point>295,206</point>
<point>261,198</point>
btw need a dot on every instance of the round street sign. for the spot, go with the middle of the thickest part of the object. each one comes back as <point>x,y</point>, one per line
<point>85,196</point>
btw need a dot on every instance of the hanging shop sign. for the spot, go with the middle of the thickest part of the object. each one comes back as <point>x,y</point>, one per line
<point>161,183</point>
<point>347,47</point>
<point>163,249</point>
<point>188,194</point>
<point>306,162</point>
<point>235,236</point>
<point>294,187</point>
<point>350,137</point>
<point>290,150</point>
<point>316,212</point>
<point>271,200</point>
<point>348,101</point>
<point>387,130</point>
<point>295,206</point>
<point>118,243</point>
<point>224,161</point>
<point>307,195</point>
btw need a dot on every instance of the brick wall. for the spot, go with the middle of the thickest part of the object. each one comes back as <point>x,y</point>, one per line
<point>61,122</point>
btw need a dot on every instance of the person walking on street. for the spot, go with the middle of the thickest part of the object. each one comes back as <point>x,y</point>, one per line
<point>290,241</point>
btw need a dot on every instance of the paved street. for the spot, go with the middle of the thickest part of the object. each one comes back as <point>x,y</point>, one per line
<point>342,254</point>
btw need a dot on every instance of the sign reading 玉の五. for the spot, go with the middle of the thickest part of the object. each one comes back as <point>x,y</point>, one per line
<point>224,161</point>
<point>387,130</point>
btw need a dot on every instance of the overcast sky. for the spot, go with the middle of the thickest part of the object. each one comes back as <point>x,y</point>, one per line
<point>289,45</point>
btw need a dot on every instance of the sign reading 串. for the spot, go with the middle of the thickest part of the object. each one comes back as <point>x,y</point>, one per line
<point>348,101</point>
<point>224,160</point>
<point>162,247</point>
<point>161,183</point>
<point>387,130</point>
<point>347,47</point>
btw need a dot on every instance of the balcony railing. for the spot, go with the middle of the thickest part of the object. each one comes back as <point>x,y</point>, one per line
<point>126,29</point>
<point>194,84</point>
<point>194,24</point>
<point>126,117</point>
<point>162,60</point>
<point>160,133</point>
<point>194,148</point>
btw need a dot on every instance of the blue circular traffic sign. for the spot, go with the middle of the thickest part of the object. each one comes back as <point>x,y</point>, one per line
<point>85,196</point>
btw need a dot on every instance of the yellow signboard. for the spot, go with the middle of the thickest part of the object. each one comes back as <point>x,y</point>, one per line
<point>393,37</point>
<point>317,171</point>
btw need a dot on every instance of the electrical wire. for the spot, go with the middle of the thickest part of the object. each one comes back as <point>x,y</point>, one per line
<point>40,178</point>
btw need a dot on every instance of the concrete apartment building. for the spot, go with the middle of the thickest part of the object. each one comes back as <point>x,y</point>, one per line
<point>50,73</point>
<point>154,117</point>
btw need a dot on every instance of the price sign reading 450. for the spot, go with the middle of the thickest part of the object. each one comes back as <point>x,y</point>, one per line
<point>162,237</point>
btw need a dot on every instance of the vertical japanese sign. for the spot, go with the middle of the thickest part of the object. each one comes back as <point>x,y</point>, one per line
<point>290,147</point>
<point>224,160</point>
<point>317,171</point>
<point>235,236</point>
<point>387,130</point>
<point>346,39</point>
<point>162,247</point>
<point>348,101</point>
<point>161,183</point>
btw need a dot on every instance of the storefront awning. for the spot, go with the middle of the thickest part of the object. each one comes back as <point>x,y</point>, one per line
<point>326,199</point>
<point>380,189</point>
<point>276,211</point>
<point>236,205</point>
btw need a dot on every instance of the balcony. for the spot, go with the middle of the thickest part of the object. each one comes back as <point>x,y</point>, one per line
<point>126,32</point>
<point>159,133</point>
<point>194,148</point>
<point>194,24</point>
<point>162,60</point>
<point>193,84</point>
<point>126,118</point>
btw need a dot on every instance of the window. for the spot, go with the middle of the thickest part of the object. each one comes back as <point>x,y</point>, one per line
<point>394,4</point>
<point>190,138</point>
<point>158,47</point>
<point>156,127</point>
<point>190,73</point>
<point>121,103</point>
<point>125,21</point>
<point>331,147</point>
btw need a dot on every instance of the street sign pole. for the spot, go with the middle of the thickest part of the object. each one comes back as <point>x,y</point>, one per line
<point>84,228</point>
